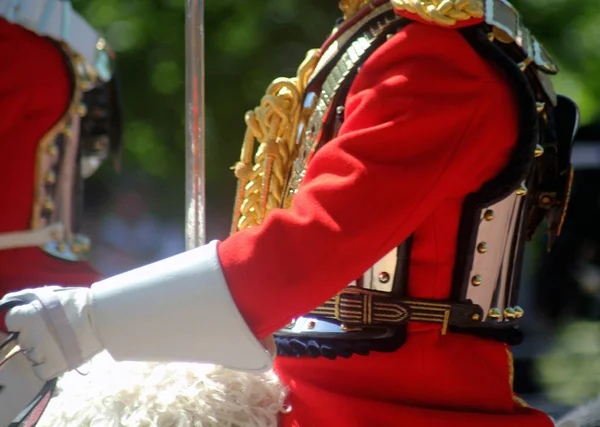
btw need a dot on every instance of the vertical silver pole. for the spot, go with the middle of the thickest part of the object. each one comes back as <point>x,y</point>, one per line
<point>194,115</point>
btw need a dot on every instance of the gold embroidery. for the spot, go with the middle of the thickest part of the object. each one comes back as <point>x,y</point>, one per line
<point>511,379</point>
<point>273,124</point>
<point>442,12</point>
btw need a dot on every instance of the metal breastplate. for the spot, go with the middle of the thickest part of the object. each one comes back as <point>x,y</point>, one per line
<point>496,221</point>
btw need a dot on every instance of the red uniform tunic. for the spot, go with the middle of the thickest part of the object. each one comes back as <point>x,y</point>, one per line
<point>34,94</point>
<point>428,121</point>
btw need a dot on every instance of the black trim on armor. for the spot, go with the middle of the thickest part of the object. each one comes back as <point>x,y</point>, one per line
<point>510,336</point>
<point>400,285</point>
<point>522,156</point>
<point>466,242</point>
<point>334,348</point>
<point>518,166</point>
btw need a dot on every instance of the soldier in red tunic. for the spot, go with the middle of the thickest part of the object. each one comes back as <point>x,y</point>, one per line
<point>378,230</point>
<point>55,98</point>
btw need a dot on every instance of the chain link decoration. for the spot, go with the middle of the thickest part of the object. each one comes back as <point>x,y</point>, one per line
<point>273,124</point>
<point>442,12</point>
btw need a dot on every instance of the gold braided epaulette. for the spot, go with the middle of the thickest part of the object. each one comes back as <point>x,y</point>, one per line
<point>442,12</point>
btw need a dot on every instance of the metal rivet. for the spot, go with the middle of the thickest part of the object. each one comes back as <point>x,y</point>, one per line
<point>50,178</point>
<point>539,150</point>
<point>286,409</point>
<point>510,313</point>
<point>522,190</point>
<point>488,215</point>
<point>546,200</point>
<point>491,36</point>
<point>389,36</point>
<point>82,109</point>
<point>519,312</point>
<point>495,313</point>
<point>101,44</point>
<point>475,316</point>
<point>524,64</point>
<point>48,205</point>
<point>482,247</point>
<point>384,277</point>
<point>539,106</point>
<point>476,280</point>
<point>52,149</point>
<point>340,110</point>
<point>311,325</point>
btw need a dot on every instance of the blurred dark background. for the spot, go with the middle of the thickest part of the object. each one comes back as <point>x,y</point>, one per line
<point>137,216</point>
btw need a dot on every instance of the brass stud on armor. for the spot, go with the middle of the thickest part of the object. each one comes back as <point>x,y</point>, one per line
<point>519,312</point>
<point>539,106</point>
<point>76,249</point>
<point>384,277</point>
<point>101,44</point>
<point>52,149</point>
<point>339,110</point>
<point>524,64</point>
<point>50,178</point>
<point>48,205</point>
<point>522,190</point>
<point>475,317</point>
<point>82,109</point>
<point>495,313</point>
<point>539,150</point>
<point>311,325</point>
<point>510,313</point>
<point>488,215</point>
<point>476,280</point>
<point>68,131</point>
<point>482,247</point>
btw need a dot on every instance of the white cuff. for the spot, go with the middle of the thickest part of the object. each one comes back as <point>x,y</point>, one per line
<point>176,310</point>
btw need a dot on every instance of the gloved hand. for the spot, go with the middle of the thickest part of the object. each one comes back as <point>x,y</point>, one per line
<point>55,328</point>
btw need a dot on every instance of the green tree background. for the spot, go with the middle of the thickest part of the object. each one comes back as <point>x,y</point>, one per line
<point>247,45</point>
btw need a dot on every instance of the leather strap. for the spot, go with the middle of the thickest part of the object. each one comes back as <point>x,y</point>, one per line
<point>355,307</point>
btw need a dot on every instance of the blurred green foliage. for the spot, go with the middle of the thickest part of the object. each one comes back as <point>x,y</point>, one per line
<point>247,45</point>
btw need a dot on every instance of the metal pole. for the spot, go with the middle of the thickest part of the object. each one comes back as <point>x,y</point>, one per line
<point>195,137</point>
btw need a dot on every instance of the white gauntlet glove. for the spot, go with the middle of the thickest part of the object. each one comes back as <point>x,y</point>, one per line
<point>175,310</point>
<point>55,328</point>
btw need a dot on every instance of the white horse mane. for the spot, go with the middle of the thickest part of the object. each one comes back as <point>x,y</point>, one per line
<point>140,394</point>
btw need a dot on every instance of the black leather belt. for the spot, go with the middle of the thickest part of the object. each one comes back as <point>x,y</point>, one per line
<point>356,307</point>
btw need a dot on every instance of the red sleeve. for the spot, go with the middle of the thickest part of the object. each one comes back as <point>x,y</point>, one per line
<point>422,125</point>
